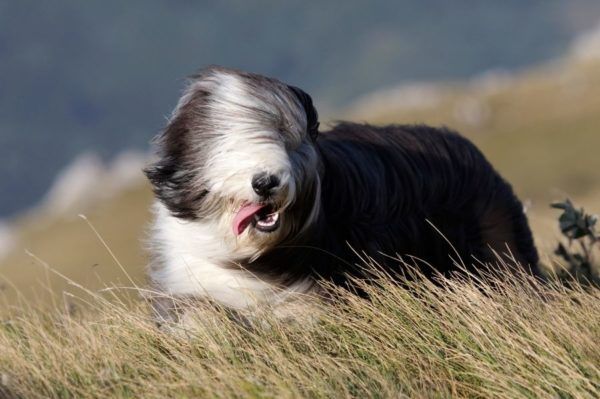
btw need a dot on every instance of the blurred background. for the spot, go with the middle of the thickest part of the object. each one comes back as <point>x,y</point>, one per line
<point>84,86</point>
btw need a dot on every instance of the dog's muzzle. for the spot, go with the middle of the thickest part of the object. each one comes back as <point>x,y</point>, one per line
<point>262,215</point>
<point>265,184</point>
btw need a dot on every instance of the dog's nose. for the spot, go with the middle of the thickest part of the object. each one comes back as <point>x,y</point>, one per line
<point>264,183</point>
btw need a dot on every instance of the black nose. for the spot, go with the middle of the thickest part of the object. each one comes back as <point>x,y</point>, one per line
<point>263,183</point>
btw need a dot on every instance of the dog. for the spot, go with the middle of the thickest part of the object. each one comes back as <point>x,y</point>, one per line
<point>254,203</point>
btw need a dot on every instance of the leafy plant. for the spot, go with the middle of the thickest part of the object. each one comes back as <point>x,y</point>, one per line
<point>579,228</point>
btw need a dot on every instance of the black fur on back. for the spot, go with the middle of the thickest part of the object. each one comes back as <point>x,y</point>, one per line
<point>383,190</point>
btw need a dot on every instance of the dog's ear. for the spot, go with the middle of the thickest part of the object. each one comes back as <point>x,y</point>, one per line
<point>312,117</point>
<point>173,177</point>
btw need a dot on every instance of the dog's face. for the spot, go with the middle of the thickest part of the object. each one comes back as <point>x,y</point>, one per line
<point>239,155</point>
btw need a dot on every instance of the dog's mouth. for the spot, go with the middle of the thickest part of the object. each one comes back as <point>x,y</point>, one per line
<point>262,217</point>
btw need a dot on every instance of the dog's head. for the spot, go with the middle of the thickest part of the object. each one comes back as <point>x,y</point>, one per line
<point>239,154</point>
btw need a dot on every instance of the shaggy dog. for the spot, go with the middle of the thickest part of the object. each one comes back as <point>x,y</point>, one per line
<point>254,203</point>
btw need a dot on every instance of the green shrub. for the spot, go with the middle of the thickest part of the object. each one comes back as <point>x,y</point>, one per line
<point>579,229</point>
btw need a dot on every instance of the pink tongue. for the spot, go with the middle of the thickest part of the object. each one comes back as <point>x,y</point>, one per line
<point>244,216</point>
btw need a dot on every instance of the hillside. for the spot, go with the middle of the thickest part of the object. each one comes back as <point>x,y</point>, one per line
<point>540,127</point>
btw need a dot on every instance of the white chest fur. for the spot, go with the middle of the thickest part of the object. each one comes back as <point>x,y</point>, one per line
<point>191,261</point>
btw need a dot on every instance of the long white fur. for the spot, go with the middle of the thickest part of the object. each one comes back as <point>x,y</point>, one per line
<point>195,257</point>
<point>243,147</point>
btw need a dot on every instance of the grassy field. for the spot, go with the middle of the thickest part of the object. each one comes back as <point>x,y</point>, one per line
<point>460,338</point>
<point>69,245</point>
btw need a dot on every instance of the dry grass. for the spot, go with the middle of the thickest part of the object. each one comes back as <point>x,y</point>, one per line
<point>460,338</point>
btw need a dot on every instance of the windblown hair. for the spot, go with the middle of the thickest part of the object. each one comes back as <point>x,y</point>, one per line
<point>254,203</point>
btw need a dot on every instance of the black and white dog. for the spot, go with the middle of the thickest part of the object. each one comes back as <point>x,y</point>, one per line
<point>254,203</point>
